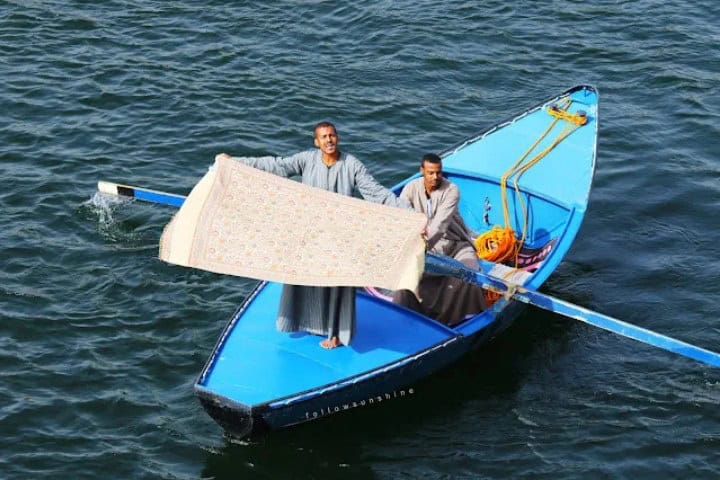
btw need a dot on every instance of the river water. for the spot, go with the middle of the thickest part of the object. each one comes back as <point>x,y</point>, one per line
<point>101,342</point>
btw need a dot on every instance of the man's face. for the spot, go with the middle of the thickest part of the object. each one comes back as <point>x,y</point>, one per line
<point>432,174</point>
<point>326,139</point>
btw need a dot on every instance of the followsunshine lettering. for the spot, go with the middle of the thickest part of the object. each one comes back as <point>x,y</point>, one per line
<point>359,403</point>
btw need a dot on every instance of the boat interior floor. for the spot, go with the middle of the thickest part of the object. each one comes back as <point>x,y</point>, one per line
<point>258,364</point>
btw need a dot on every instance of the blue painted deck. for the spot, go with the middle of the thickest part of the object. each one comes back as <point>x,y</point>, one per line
<point>257,364</point>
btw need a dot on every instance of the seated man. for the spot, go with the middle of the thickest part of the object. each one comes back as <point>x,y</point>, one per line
<point>446,299</point>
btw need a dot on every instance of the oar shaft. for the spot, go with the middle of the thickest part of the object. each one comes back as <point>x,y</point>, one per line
<point>444,265</point>
<point>619,327</point>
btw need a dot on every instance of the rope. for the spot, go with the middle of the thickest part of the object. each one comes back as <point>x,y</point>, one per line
<point>496,245</point>
<point>500,244</point>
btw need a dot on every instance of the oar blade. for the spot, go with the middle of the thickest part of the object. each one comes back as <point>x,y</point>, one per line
<point>144,194</point>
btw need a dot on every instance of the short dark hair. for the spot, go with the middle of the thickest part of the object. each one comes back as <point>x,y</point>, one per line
<point>322,125</point>
<point>430,158</point>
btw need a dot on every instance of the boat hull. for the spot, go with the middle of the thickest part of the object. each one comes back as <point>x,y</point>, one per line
<point>259,379</point>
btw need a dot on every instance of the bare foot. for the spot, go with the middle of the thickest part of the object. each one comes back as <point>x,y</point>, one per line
<point>330,343</point>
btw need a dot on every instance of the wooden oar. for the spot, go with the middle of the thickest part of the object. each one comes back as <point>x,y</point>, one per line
<point>447,266</point>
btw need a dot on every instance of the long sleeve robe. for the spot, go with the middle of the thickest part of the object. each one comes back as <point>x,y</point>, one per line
<point>447,299</point>
<point>328,311</point>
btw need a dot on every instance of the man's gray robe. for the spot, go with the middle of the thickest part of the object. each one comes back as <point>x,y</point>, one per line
<point>444,298</point>
<point>326,311</point>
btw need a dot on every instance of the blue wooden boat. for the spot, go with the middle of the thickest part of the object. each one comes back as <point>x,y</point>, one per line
<point>258,378</point>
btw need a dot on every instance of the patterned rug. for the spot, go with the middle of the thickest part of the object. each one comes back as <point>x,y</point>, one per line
<point>242,221</point>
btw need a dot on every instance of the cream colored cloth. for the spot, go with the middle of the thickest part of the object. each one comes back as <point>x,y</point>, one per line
<point>242,221</point>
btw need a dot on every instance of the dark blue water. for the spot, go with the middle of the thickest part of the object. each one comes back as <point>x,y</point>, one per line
<point>100,342</point>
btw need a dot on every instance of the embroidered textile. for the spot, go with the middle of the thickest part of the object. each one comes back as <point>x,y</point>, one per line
<point>241,221</point>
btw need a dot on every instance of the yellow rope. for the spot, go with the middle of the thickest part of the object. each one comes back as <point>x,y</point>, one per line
<point>578,118</point>
<point>499,244</point>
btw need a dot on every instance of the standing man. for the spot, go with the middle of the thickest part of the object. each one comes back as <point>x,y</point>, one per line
<point>327,311</point>
<point>446,299</point>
